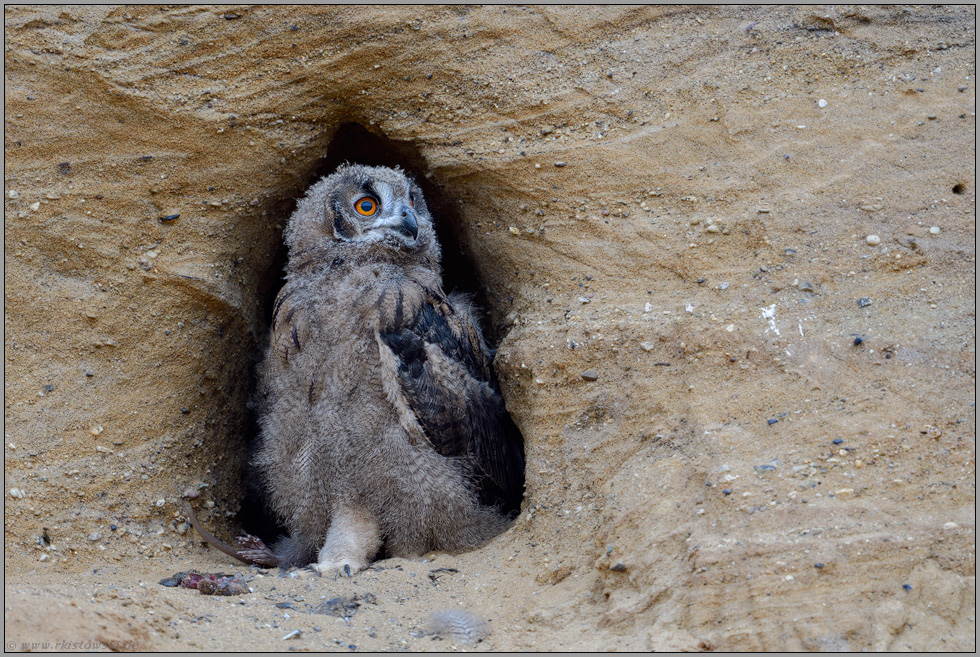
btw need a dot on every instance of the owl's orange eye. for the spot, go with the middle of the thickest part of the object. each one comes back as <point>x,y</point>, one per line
<point>366,206</point>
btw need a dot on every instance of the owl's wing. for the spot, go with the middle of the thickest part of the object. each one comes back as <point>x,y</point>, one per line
<point>290,326</point>
<point>445,372</point>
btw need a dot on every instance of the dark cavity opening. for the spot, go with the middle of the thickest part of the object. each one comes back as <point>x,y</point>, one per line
<point>959,188</point>
<point>355,144</point>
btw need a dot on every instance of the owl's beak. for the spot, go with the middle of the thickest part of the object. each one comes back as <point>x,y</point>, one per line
<point>408,223</point>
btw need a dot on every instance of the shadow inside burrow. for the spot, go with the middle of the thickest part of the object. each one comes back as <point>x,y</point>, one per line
<point>354,144</point>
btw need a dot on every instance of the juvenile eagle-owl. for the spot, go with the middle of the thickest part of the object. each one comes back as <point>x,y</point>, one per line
<point>381,419</point>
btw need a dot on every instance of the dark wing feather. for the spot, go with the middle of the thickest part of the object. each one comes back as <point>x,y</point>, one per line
<point>459,405</point>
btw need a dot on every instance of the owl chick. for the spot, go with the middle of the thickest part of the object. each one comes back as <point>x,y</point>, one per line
<point>382,422</point>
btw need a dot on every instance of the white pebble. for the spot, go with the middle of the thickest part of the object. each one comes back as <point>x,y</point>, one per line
<point>647,346</point>
<point>13,194</point>
<point>873,240</point>
<point>161,502</point>
<point>35,205</point>
<point>950,526</point>
<point>821,103</point>
<point>935,230</point>
<point>16,492</point>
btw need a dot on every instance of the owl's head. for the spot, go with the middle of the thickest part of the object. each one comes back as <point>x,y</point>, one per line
<point>364,206</point>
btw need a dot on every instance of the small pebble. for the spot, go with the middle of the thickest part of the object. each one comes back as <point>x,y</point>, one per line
<point>950,526</point>
<point>806,287</point>
<point>772,421</point>
<point>94,536</point>
<point>619,567</point>
<point>858,340</point>
<point>907,587</point>
<point>590,375</point>
<point>295,634</point>
<point>13,194</point>
<point>765,468</point>
<point>863,302</point>
<point>818,565</point>
<point>170,218</point>
<point>935,230</point>
<point>726,491</point>
<point>821,103</point>
<point>873,240</point>
<point>838,441</point>
<point>561,164</point>
<point>17,493</point>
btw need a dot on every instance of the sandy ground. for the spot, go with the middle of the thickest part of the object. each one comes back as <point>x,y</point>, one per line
<point>777,451</point>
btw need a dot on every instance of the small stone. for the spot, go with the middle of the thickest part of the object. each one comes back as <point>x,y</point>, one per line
<point>647,346</point>
<point>873,240</point>
<point>590,375</point>
<point>339,607</point>
<point>170,218</point>
<point>858,340</point>
<point>818,565</point>
<point>191,493</point>
<point>96,430</point>
<point>35,205</point>
<point>907,587</point>
<point>514,230</point>
<point>837,441</point>
<point>935,230</point>
<point>726,491</point>
<point>949,526</point>
<point>94,536</point>
<point>765,468</point>
<point>845,493</point>
<point>13,194</point>
<point>561,164</point>
<point>821,103</point>
<point>806,287</point>
<point>713,228</point>
<point>160,502</point>
<point>295,634</point>
<point>772,421</point>
<point>619,567</point>
<point>17,493</point>
<point>863,302</point>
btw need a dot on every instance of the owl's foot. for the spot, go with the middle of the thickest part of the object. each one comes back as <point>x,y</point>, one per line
<point>352,541</point>
<point>253,550</point>
<point>341,568</point>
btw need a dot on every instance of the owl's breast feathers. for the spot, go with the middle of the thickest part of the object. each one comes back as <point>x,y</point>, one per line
<point>445,373</point>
